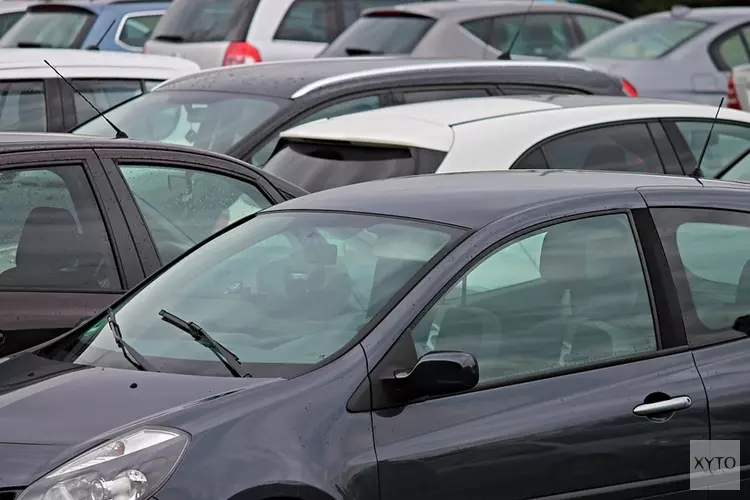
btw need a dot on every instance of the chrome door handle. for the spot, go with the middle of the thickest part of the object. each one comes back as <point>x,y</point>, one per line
<point>674,404</point>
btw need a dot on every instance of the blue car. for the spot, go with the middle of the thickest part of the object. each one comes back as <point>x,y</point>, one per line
<point>117,25</point>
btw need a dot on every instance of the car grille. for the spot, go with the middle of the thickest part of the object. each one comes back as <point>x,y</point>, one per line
<point>9,495</point>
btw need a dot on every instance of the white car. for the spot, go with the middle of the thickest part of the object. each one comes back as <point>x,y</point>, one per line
<point>34,99</point>
<point>499,133</point>
<point>738,96</point>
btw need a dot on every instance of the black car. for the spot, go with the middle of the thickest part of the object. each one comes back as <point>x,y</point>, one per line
<point>84,219</point>
<point>241,110</point>
<point>519,334</point>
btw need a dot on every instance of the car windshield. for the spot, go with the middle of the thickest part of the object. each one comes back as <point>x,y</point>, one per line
<point>61,28</point>
<point>214,121</point>
<point>648,38</point>
<point>283,291</point>
<point>201,20</point>
<point>374,35</point>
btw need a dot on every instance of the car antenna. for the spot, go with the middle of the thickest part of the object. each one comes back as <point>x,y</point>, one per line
<point>101,39</point>
<point>119,134</point>
<point>505,56</point>
<point>696,173</point>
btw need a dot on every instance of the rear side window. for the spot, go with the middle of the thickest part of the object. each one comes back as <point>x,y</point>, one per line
<point>308,21</point>
<point>22,106</point>
<point>319,166</point>
<point>593,26</point>
<point>44,27</point>
<point>380,34</point>
<point>136,29</point>
<point>205,20</point>
<point>104,94</point>
<point>9,19</point>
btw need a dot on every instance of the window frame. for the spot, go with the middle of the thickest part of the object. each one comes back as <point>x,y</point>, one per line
<point>714,46</point>
<point>123,22</point>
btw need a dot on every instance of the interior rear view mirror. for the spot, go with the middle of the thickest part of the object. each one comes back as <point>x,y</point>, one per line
<point>439,373</point>
<point>178,184</point>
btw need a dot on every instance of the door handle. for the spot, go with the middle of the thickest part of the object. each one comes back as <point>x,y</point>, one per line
<point>669,405</point>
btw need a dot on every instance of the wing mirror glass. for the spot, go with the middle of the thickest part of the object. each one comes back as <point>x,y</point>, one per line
<point>438,373</point>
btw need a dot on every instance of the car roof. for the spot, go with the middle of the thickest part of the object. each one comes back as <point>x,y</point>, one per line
<point>293,79</point>
<point>475,199</point>
<point>18,64</point>
<point>459,11</point>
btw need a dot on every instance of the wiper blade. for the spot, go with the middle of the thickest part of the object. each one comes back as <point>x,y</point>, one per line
<point>33,45</point>
<point>134,357</point>
<point>355,51</point>
<point>170,38</point>
<point>227,357</point>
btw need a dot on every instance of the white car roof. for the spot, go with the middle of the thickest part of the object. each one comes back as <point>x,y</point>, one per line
<point>17,64</point>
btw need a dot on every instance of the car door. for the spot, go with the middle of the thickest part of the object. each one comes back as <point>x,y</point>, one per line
<point>175,199</point>
<point>585,386</point>
<point>62,257</point>
<point>708,253</point>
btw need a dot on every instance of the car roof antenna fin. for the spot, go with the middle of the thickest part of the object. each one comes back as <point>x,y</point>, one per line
<point>101,39</point>
<point>505,56</point>
<point>119,134</point>
<point>697,173</point>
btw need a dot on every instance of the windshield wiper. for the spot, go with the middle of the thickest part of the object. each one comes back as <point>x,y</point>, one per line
<point>134,357</point>
<point>33,45</point>
<point>356,51</point>
<point>170,38</point>
<point>227,357</point>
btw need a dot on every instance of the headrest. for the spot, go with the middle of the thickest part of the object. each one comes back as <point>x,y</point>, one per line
<point>49,239</point>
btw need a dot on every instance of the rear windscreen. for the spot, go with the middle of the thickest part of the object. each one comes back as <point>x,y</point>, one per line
<point>378,34</point>
<point>50,26</point>
<point>319,166</point>
<point>190,21</point>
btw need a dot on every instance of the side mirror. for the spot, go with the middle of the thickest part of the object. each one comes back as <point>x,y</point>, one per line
<point>439,373</point>
<point>742,325</point>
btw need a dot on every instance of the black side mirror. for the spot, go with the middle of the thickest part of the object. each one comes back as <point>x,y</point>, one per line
<point>742,325</point>
<point>439,373</point>
<point>178,184</point>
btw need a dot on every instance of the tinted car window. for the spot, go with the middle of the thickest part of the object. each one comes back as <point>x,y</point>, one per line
<point>104,94</point>
<point>52,235</point>
<point>543,35</point>
<point>740,171</point>
<point>58,28</point>
<point>411,97</point>
<point>619,147</point>
<point>8,19</point>
<point>730,51</point>
<point>137,29</point>
<point>727,143</point>
<point>607,313</point>
<point>380,35</point>
<point>593,26</point>
<point>202,20</point>
<point>215,121</point>
<point>646,38</point>
<point>308,21</point>
<point>23,107</point>
<point>315,167</point>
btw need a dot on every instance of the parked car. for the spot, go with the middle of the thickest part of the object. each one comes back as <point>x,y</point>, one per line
<point>738,87</point>
<point>84,219</point>
<point>475,30</point>
<point>526,132</point>
<point>227,32</point>
<point>112,25</point>
<point>241,110</point>
<point>442,336</point>
<point>34,99</point>
<point>684,53</point>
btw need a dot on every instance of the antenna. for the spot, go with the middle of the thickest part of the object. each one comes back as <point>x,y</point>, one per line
<point>101,39</point>
<point>505,56</point>
<point>696,173</point>
<point>119,134</point>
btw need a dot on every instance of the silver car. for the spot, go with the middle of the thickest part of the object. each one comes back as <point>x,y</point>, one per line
<point>683,53</point>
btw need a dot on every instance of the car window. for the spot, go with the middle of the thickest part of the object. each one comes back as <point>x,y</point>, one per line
<point>149,85</point>
<point>593,26</point>
<point>137,29</point>
<point>380,35</point>
<point>625,147</point>
<point>192,21</point>
<point>543,35</point>
<point>8,19</point>
<point>570,294</point>
<point>708,255</point>
<point>50,27</point>
<point>740,171</point>
<point>730,51</point>
<point>104,94</point>
<point>260,157</point>
<point>52,235</point>
<point>182,207</point>
<point>411,97</point>
<point>308,21</point>
<point>728,142</point>
<point>22,106</point>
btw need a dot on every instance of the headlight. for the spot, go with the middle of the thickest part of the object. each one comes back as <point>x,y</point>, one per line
<point>131,467</point>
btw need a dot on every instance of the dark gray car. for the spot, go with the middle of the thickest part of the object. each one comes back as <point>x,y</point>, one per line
<point>473,30</point>
<point>523,335</point>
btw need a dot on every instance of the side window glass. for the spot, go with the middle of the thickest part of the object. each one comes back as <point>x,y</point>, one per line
<point>740,171</point>
<point>308,21</point>
<point>729,52</point>
<point>728,142</point>
<point>149,85</point>
<point>136,30</point>
<point>104,94</point>
<point>52,235</point>
<point>593,26</point>
<point>443,94</point>
<point>8,19</point>
<point>708,255</point>
<point>543,35</point>
<point>570,294</point>
<point>182,207</point>
<point>22,106</point>
<point>261,156</point>
<point>626,147</point>
<point>532,161</point>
